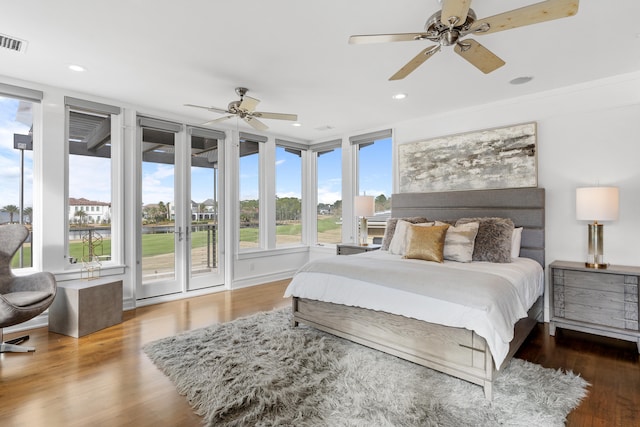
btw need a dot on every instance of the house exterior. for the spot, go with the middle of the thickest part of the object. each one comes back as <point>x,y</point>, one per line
<point>84,211</point>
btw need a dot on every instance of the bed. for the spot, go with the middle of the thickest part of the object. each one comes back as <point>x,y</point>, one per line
<point>473,348</point>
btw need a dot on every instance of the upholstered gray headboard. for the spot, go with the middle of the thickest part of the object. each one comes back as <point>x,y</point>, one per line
<point>525,206</point>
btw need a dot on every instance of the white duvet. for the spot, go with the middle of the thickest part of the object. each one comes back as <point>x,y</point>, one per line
<point>487,298</point>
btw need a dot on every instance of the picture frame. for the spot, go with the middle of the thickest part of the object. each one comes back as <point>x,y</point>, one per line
<point>502,157</point>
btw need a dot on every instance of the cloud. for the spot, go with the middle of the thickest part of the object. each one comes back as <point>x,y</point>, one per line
<point>157,183</point>
<point>90,177</point>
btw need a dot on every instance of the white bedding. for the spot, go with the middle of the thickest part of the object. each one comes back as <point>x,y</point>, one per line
<point>487,298</point>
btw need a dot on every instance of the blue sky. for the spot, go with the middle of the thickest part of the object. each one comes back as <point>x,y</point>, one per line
<point>375,169</point>
<point>10,157</point>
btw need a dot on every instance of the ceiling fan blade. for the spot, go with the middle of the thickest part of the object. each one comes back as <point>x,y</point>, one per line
<point>212,109</point>
<point>479,56</point>
<point>418,60</point>
<point>386,38</point>
<point>255,123</point>
<point>454,12</point>
<point>219,119</point>
<point>249,104</point>
<point>539,12</point>
<point>196,106</point>
<point>278,116</point>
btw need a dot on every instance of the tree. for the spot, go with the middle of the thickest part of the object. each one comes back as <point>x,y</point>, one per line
<point>337,207</point>
<point>383,203</point>
<point>28,213</point>
<point>249,211</point>
<point>11,210</point>
<point>162,211</point>
<point>288,208</point>
<point>81,216</point>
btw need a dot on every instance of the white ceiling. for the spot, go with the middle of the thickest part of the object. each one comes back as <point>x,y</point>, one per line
<point>293,55</point>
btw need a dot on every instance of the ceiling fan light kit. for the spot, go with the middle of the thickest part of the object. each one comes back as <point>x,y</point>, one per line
<point>456,20</point>
<point>244,108</point>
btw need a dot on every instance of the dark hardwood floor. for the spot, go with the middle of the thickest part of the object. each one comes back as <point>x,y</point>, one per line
<point>104,379</point>
<point>611,366</point>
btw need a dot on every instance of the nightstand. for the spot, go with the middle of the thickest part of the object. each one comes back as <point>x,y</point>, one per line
<point>597,301</point>
<point>354,248</point>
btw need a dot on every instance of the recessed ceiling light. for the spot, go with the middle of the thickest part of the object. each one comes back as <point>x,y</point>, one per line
<point>296,124</point>
<point>78,68</point>
<point>521,80</point>
<point>399,96</point>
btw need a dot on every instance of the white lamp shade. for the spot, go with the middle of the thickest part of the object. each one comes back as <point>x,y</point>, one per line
<point>364,206</point>
<point>597,203</point>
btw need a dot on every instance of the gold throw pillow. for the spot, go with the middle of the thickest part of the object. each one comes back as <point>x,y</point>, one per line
<point>426,243</point>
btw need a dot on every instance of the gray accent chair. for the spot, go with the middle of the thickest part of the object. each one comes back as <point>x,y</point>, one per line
<point>21,297</point>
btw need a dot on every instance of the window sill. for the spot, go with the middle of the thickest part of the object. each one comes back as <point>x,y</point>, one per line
<point>261,253</point>
<point>77,273</point>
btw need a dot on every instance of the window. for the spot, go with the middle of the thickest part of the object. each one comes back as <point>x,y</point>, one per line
<point>90,191</point>
<point>329,192</point>
<point>16,163</point>
<point>373,162</point>
<point>158,175</point>
<point>205,224</point>
<point>249,190</point>
<point>288,193</point>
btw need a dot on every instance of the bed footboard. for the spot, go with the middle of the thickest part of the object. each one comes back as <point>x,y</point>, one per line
<point>455,351</point>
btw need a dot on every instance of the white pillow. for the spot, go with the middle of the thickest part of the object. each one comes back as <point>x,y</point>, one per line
<point>459,241</point>
<point>516,239</point>
<point>398,243</point>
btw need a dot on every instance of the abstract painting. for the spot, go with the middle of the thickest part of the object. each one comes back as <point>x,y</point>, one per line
<point>487,159</point>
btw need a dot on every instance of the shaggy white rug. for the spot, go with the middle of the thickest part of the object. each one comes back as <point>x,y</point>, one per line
<point>260,371</point>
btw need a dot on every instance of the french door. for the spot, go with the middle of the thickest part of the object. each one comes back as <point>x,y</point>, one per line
<point>180,235</point>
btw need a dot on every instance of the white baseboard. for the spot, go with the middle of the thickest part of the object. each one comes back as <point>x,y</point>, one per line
<point>262,279</point>
<point>129,303</point>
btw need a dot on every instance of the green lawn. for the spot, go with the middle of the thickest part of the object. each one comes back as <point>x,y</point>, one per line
<point>163,243</point>
<point>328,223</point>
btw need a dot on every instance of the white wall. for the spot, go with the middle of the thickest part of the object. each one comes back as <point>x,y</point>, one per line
<point>587,135</point>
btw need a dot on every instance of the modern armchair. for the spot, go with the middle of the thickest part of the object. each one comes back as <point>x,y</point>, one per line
<point>21,297</point>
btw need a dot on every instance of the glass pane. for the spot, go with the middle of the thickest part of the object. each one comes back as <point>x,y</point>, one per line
<point>204,205</point>
<point>288,196</point>
<point>158,211</point>
<point>249,195</point>
<point>16,164</point>
<point>375,179</point>
<point>329,214</point>
<point>89,187</point>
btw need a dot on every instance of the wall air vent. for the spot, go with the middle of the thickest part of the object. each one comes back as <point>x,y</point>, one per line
<point>12,43</point>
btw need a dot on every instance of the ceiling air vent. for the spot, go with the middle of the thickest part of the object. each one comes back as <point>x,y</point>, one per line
<point>12,43</point>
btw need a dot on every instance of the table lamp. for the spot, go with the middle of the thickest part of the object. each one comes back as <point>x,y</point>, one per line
<point>364,206</point>
<point>596,204</point>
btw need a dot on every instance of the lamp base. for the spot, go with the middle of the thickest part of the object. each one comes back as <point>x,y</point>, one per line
<point>596,265</point>
<point>363,241</point>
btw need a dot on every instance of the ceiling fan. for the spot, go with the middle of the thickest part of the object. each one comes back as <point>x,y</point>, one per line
<point>245,109</point>
<point>456,20</point>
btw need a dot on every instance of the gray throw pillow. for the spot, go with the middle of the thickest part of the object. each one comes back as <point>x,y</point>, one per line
<point>391,228</point>
<point>493,242</point>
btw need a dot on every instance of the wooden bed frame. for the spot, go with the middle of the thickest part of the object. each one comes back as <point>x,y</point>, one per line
<point>455,351</point>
